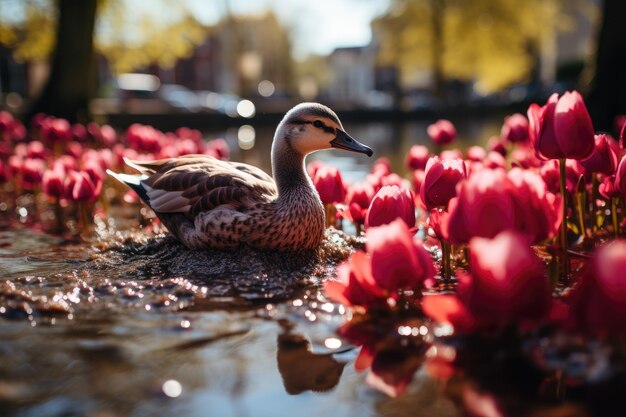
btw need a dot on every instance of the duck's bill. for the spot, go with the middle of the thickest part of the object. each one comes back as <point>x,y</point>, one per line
<point>345,141</point>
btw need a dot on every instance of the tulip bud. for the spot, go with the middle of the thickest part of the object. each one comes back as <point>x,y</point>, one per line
<point>515,128</point>
<point>562,128</point>
<point>417,157</point>
<point>603,160</point>
<point>440,181</point>
<point>389,203</point>
<point>442,132</point>
<point>329,185</point>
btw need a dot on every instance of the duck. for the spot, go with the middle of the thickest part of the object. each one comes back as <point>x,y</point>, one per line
<point>207,203</point>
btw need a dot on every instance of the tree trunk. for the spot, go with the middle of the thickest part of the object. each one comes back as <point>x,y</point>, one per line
<point>607,93</point>
<point>72,75</point>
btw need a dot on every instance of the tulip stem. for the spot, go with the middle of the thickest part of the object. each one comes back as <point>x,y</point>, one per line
<point>580,206</point>
<point>331,214</point>
<point>58,215</point>
<point>83,217</point>
<point>614,217</point>
<point>594,202</point>
<point>446,266</point>
<point>563,230</point>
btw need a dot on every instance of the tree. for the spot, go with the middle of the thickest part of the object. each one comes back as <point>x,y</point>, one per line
<point>70,84</point>
<point>607,91</point>
<point>70,32</point>
<point>491,42</point>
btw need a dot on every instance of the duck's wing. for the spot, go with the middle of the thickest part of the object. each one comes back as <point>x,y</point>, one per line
<point>198,183</point>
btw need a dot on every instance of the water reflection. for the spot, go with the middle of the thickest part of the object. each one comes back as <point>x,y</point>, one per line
<point>301,369</point>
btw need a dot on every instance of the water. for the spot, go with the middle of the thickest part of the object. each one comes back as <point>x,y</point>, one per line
<point>126,322</point>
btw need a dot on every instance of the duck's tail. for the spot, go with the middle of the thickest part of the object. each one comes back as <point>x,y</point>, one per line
<point>134,182</point>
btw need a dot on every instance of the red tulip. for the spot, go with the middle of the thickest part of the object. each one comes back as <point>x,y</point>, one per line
<point>80,187</point>
<point>396,262</point>
<point>381,167</point>
<point>79,133</point>
<point>525,158</point>
<point>496,144</point>
<point>476,153</point>
<point>603,160</point>
<point>329,185</point>
<point>438,222</point>
<point>55,130</point>
<point>515,128</point>
<point>506,284</point>
<point>356,285</point>
<point>52,182</point>
<point>442,132</point>
<point>490,201</point>
<point>451,154</point>
<point>494,160</point>
<point>218,148</point>
<point>599,300</point>
<point>32,172</point>
<point>620,177</point>
<point>607,187</point>
<point>107,136</point>
<point>417,157</point>
<point>562,128</point>
<point>440,181</point>
<point>358,199</point>
<point>36,150</point>
<point>394,179</point>
<point>389,203</point>
<point>573,171</point>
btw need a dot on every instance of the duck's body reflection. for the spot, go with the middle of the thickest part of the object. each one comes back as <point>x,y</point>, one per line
<point>301,369</point>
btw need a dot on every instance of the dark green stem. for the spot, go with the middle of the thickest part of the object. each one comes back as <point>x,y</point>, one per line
<point>563,230</point>
<point>446,267</point>
<point>614,217</point>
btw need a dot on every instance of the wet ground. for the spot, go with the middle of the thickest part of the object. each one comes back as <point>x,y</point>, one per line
<point>132,324</point>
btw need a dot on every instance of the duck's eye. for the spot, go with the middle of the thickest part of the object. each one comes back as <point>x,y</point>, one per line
<point>318,123</point>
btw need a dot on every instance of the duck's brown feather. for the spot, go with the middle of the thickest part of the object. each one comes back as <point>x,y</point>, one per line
<point>198,183</point>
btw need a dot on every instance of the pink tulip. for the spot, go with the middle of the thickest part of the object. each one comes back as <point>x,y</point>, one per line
<point>32,172</point>
<point>562,128</point>
<point>607,188</point>
<point>389,203</point>
<point>441,132</point>
<point>358,199</point>
<point>491,201</point>
<point>79,133</point>
<point>36,150</point>
<point>394,179</point>
<point>80,187</point>
<point>55,130</point>
<point>218,148</point>
<point>506,284</point>
<point>440,181</point>
<point>497,144</point>
<point>525,158</point>
<point>620,177</point>
<point>599,300</point>
<point>515,128</point>
<point>573,171</point>
<point>494,160</point>
<point>417,157</point>
<point>52,182</point>
<point>396,262</point>
<point>356,285</point>
<point>476,153</point>
<point>329,185</point>
<point>603,160</point>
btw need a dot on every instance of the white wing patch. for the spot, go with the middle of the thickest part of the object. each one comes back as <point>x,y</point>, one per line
<point>163,201</point>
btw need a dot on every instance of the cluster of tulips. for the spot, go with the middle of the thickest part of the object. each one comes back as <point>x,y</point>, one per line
<point>525,234</point>
<point>63,166</point>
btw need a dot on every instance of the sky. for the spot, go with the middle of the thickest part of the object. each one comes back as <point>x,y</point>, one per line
<point>317,26</point>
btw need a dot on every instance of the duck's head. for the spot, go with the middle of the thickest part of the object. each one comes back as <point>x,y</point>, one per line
<point>310,127</point>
